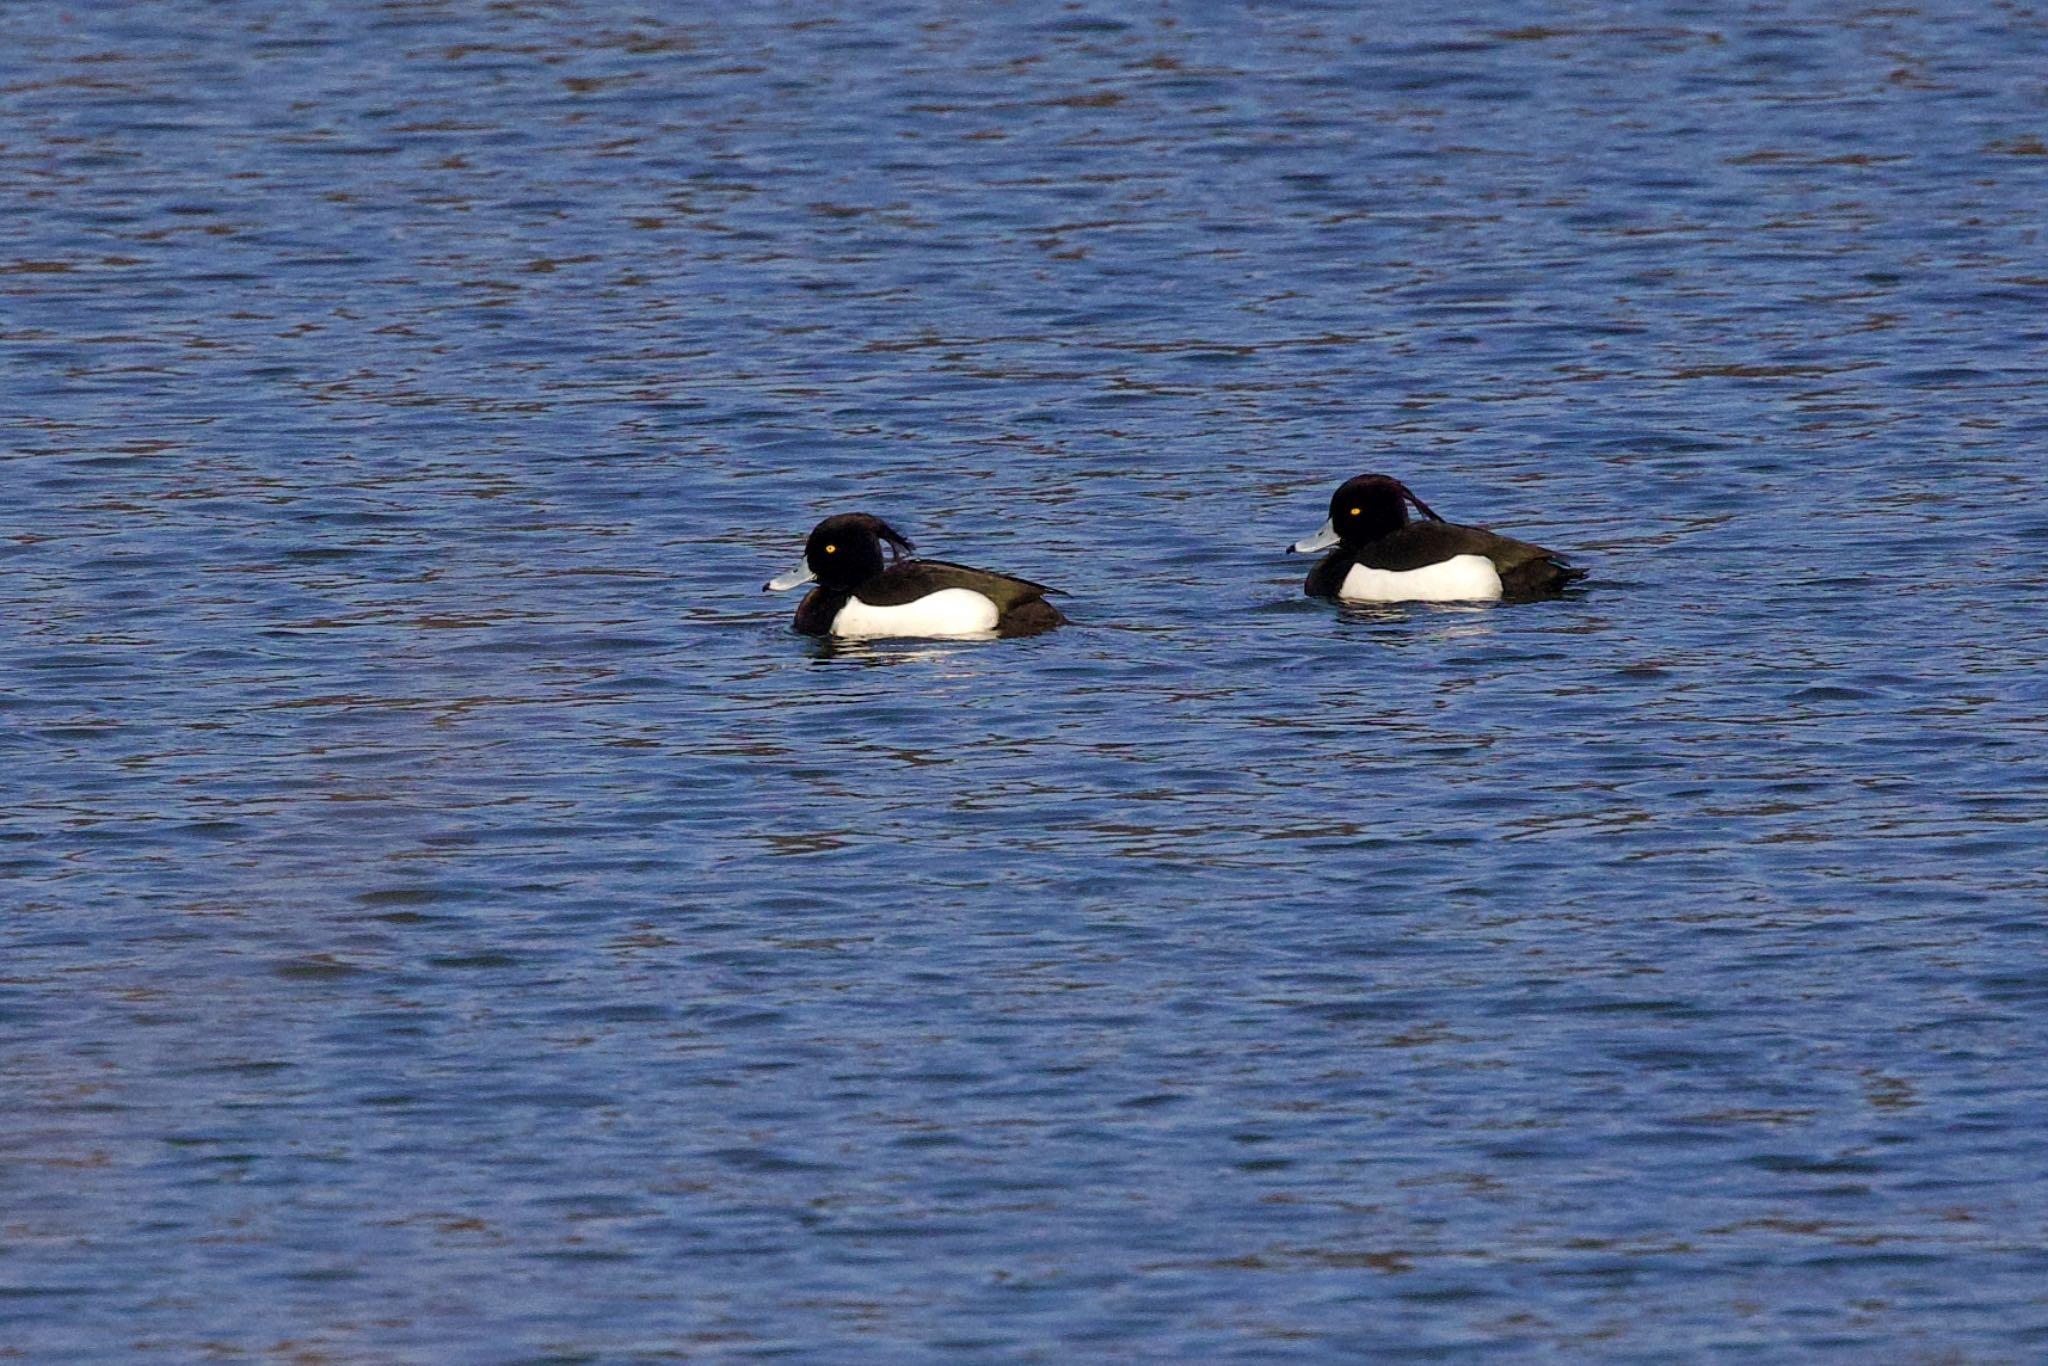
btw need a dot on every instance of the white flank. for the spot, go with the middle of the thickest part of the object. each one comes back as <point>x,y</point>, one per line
<point>1462,578</point>
<point>948,612</point>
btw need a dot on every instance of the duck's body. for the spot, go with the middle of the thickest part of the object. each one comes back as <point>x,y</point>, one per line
<point>929,598</point>
<point>858,597</point>
<point>1381,556</point>
<point>1439,562</point>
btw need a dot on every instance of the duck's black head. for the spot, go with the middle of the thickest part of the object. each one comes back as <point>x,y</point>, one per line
<point>1362,511</point>
<point>1371,506</point>
<point>846,551</point>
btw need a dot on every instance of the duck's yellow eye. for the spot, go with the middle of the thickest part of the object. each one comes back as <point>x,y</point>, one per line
<point>831,550</point>
<point>1354,512</point>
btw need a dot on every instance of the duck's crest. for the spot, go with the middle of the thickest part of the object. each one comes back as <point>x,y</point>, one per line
<point>899,544</point>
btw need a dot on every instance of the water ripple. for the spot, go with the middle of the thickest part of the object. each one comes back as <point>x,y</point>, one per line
<point>452,917</point>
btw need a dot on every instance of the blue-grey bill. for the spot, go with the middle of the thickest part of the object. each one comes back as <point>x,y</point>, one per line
<point>1325,537</point>
<point>797,573</point>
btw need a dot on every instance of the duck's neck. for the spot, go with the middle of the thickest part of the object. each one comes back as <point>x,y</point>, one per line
<point>815,613</point>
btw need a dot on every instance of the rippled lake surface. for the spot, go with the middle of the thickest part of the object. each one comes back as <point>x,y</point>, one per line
<point>449,915</point>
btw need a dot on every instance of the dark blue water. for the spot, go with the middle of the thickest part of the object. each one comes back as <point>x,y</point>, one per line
<point>446,915</point>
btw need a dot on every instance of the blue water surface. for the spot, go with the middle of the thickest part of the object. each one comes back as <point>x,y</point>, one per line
<point>447,915</point>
